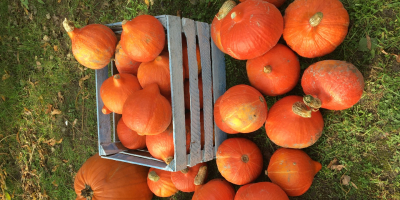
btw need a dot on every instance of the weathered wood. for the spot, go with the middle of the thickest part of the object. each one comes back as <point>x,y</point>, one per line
<point>138,161</point>
<point>113,148</point>
<point>103,121</point>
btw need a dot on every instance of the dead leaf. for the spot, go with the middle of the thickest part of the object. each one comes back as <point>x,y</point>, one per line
<point>74,123</point>
<point>345,180</point>
<point>48,16</point>
<point>50,142</point>
<point>54,168</point>
<point>369,45</point>
<point>337,167</point>
<point>51,57</point>
<point>49,106</point>
<point>55,112</point>
<point>4,98</point>
<point>18,137</point>
<point>59,1</point>
<point>38,63</point>
<point>59,141</point>
<point>55,47</point>
<point>45,45</point>
<point>5,76</point>
<point>354,185</point>
<point>65,161</point>
<point>46,38</point>
<point>83,79</point>
<point>332,162</point>
<point>60,97</point>
<point>27,111</point>
<point>54,183</point>
<point>398,58</point>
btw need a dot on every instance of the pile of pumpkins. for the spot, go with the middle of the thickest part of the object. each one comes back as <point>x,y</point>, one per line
<point>247,31</point>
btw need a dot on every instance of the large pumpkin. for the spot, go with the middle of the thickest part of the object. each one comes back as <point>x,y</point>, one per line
<point>159,182</point>
<point>251,29</point>
<point>93,45</point>
<point>217,21</point>
<point>332,84</point>
<point>243,108</point>
<point>218,120</point>
<point>104,179</point>
<point>124,63</point>
<point>274,73</point>
<point>216,189</point>
<point>142,38</point>
<point>129,138</point>
<point>239,160</point>
<point>261,190</point>
<point>184,180</point>
<point>314,28</point>
<point>301,127</point>
<point>293,170</point>
<point>277,3</point>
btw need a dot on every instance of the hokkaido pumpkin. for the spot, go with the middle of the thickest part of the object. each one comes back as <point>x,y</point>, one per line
<point>251,29</point>
<point>239,160</point>
<point>159,182</point>
<point>186,90</point>
<point>93,45</point>
<point>115,90</point>
<point>142,38</point>
<point>105,110</point>
<point>274,73</point>
<point>216,189</point>
<point>243,108</point>
<point>217,21</point>
<point>218,120</point>
<point>184,180</point>
<point>314,28</point>
<point>301,127</point>
<point>124,63</point>
<point>185,60</point>
<point>261,190</point>
<point>277,3</point>
<point>292,170</point>
<point>104,179</point>
<point>147,112</point>
<point>129,138</point>
<point>332,84</point>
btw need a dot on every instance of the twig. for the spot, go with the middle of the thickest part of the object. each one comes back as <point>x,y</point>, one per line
<point>6,137</point>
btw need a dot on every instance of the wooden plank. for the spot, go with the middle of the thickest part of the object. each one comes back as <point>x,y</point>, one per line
<point>174,29</point>
<point>113,148</point>
<point>163,20</point>
<point>219,86</point>
<point>141,153</point>
<point>203,30</point>
<point>103,121</point>
<point>138,161</point>
<point>189,29</point>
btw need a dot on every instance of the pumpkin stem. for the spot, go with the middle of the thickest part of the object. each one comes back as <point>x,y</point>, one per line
<point>316,19</point>
<point>105,110</point>
<point>153,176</point>
<point>169,159</point>
<point>245,158</point>
<point>300,109</point>
<point>312,102</point>
<point>69,27</point>
<point>225,9</point>
<point>201,176</point>
<point>87,192</point>
<point>267,69</point>
<point>117,80</point>
<point>185,171</point>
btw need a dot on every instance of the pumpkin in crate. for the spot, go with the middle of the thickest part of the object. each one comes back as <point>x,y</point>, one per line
<point>216,189</point>
<point>142,38</point>
<point>116,89</point>
<point>217,21</point>
<point>147,112</point>
<point>274,73</point>
<point>93,45</point>
<point>239,160</point>
<point>277,3</point>
<point>104,179</point>
<point>189,178</point>
<point>129,138</point>
<point>314,28</point>
<point>187,93</point>
<point>251,29</point>
<point>292,170</point>
<point>332,84</point>
<point>300,128</point>
<point>124,63</point>
<point>160,183</point>
<point>261,190</point>
<point>218,120</point>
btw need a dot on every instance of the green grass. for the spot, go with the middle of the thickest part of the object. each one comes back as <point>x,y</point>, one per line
<point>365,138</point>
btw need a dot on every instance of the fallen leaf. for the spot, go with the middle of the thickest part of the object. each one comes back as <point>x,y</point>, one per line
<point>48,16</point>
<point>59,1</point>
<point>5,76</point>
<point>45,45</point>
<point>337,167</point>
<point>332,162</point>
<point>345,180</point>
<point>38,63</point>
<point>54,183</point>
<point>4,98</point>
<point>74,123</point>
<point>51,57</point>
<point>147,3</point>
<point>49,106</point>
<point>83,79</point>
<point>60,97</point>
<point>55,47</point>
<point>46,38</point>
<point>54,168</point>
<point>27,111</point>
<point>55,112</point>
<point>50,142</point>
<point>398,58</point>
<point>368,42</point>
<point>65,161</point>
<point>59,141</point>
<point>354,185</point>
<point>18,138</point>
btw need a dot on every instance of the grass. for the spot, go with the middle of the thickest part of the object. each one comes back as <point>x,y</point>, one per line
<point>41,77</point>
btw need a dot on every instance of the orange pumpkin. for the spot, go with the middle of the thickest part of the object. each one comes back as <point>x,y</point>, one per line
<point>115,90</point>
<point>104,179</point>
<point>261,190</point>
<point>292,170</point>
<point>147,112</point>
<point>314,28</point>
<point>185,60</point>
<point>159,182</point>
<point>217,21</point>
<point>124,63</point>
<point>93,45</point>
<point>184,180</point>
<point>218,120</point>
<point>187,94</point>
<point>239,160</point>
<point>277,3</point>
<point>274,73</point>
<point>216,189</point>
<point>129,138</point>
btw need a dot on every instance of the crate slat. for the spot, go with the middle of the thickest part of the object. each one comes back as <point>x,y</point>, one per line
<point>138,161</point>
<point>113,148</point>
<point>103,121</point>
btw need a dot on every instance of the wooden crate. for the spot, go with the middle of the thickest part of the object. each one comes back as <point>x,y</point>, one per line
<point>214,85</point>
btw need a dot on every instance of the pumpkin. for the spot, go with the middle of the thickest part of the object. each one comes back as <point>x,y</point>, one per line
<point>105,110</point>
<point>93,45</point>
<point>239,160</point>
<point>292,170</point>
<point>216,189</point>
<point>217,21</point>
<point>301,127</point>
<point>142,38</point>
<point>261,190</point>
<point>161,146</point>
<point>124,63</point>
<point>185,60</point>
<point>129,138</point>
<point>184,180</point>
<point>104,179</point>
<point>243,108</point>
<point>187,93</point>
<point>314,28</point>
<point>277,3</point>
<point>274,73</point>
<point>332,84</point>
<point>188,128</point>
<point>147,112</point>
<point>159,182</point>
<point>251,29</point>
<point>116,89</point>
<point>218,120</point>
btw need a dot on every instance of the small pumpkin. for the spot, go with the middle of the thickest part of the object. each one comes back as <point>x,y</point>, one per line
<point>218,120</point>
<point>185,60</point>
<point>124,63</point>
<point>274,73</point>
<point>187,93</point>
<point>217,21</point>
<point>184,180</point>
<point>261,190</point>
<point>332,84</point>
<point>104,179</point>
<point>143,38</point>
<point>292,170</point>
<point>93,45</point>
<point>129,138</point>
<point>239,160</point>
<point>159,182</point>
<point>215,189</point>
<point>301,127</point>
<point>314,28</point>
<point>115,90</point>
<point>147,112</point>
